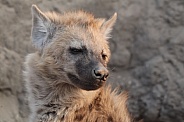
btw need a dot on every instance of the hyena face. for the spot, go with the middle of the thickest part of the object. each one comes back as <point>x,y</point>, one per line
<point>73,46</point>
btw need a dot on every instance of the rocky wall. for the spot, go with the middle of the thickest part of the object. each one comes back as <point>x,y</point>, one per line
<point>147,54</point>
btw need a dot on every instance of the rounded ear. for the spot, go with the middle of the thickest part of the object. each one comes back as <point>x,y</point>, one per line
<point>40,27</point>
<point>106,27</point>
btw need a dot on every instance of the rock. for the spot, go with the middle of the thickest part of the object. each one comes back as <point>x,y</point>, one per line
<point>10,71</point>
<point>9,108</point>
<point>10,85</point>
<point>147,54</point>
<point>121,58</point>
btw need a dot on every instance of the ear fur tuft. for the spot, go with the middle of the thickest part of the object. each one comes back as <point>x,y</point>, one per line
<point>106,27</point>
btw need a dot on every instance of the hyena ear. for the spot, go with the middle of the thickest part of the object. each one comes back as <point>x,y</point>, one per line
<point>106,27</point>
<point>40,27</point>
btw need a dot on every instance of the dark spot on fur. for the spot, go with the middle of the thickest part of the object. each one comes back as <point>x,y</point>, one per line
<point>97,103</point>
<point>48,105</point>
<point>37,86</point>
<point>79,117</point>
<point>110,119</point>
<point>52,77</point>
<point>90,107</point>
<point>39,111</point>
<point>80,114</point>
<point>52,113</point>
<point>62,118</point>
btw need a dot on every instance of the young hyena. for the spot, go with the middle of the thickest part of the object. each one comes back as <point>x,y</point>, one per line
<point>65,78</point>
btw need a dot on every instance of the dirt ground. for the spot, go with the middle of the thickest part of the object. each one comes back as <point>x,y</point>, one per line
<point>147,54</point>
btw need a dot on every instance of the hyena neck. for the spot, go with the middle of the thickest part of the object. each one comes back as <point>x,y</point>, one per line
<point>70,95</point>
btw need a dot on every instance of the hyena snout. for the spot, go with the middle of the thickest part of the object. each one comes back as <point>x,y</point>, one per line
<point>100,73</point>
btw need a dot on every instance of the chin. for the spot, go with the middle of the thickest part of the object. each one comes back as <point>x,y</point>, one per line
<point>88,84</point>
<point>90,87</point>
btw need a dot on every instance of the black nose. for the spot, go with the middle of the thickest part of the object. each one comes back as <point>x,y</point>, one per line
<point>100,73</point>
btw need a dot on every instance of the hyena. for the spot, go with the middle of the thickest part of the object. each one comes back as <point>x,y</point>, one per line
<point>65,77</point>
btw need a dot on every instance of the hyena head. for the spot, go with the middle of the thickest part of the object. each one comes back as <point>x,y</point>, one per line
<point>73,46</point>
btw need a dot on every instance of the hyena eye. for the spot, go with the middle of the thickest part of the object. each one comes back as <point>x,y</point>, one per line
<point>75,50</point>
<point>104,56</point>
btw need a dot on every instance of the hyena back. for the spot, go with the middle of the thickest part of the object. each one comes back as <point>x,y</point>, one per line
<point>65,78</point>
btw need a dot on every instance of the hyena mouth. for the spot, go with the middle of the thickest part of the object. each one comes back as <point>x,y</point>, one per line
<point>86,85</point>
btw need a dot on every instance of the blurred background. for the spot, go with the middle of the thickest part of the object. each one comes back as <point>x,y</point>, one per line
<point>147,54</point>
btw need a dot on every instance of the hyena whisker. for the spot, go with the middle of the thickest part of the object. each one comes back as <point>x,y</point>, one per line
<point>112,68</point>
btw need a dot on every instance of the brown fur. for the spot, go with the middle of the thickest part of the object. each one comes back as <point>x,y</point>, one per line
<point>53,97</point>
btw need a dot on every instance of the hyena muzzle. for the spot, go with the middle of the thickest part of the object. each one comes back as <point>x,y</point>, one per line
<point>92,72</point>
